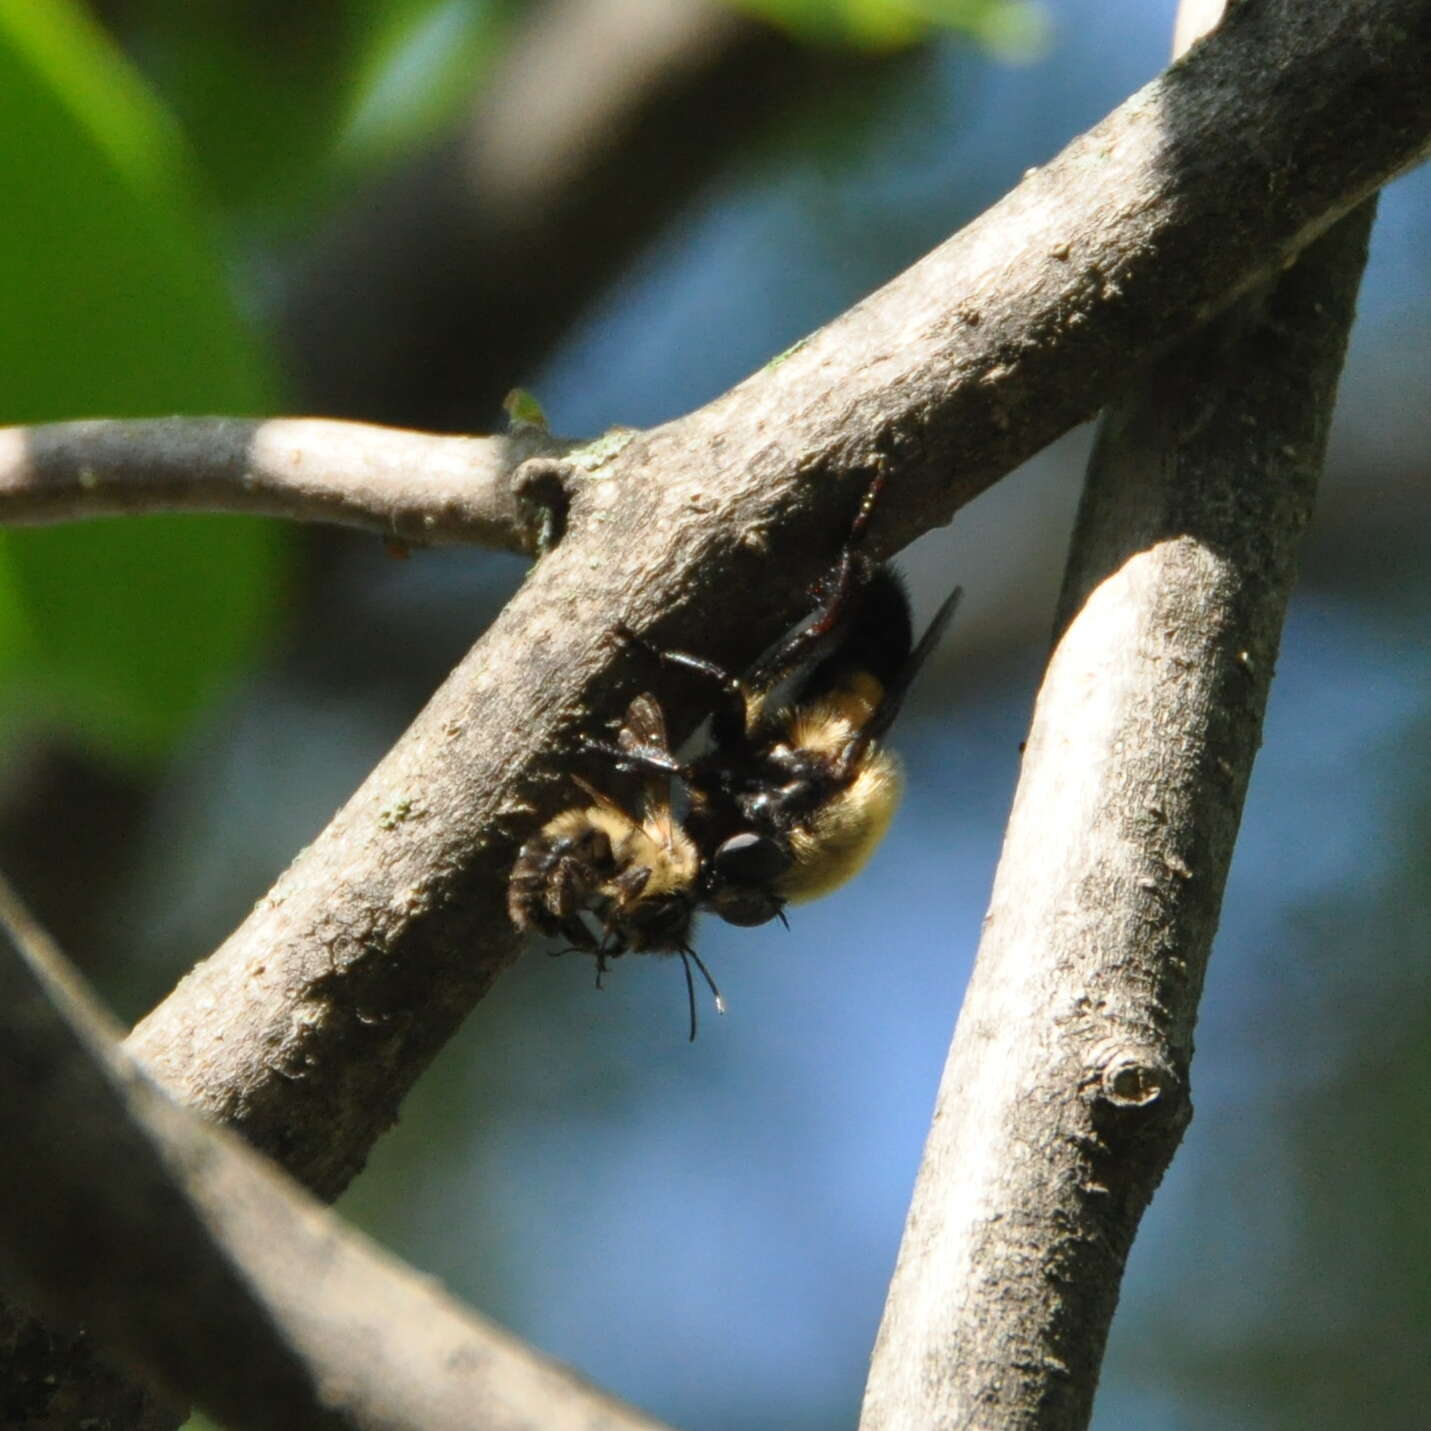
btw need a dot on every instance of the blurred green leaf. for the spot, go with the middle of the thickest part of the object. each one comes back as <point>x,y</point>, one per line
<point>113,302</point>
<point>419,64</point>
<point>258,89</point>
<point>1012,29</point>
<point>290,104</point>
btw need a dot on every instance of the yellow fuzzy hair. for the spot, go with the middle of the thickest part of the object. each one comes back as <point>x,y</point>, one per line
<point>837,840</point>
<point>660,845</point>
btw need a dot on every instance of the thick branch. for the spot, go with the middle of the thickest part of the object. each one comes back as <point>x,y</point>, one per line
<point>1067,1086</point>
<point>410,486</point>
<point>309,1025</point>
<point>209,1268</point>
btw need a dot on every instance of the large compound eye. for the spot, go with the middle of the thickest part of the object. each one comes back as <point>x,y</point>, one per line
<point>745,907</point>
<point>751,859</point>
<point>740,883</point>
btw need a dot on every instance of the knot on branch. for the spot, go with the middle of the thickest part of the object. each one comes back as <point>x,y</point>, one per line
<point>1128,1080</point>
<point>543,488</point>
<point>1136,1095</point>
<point>1138,1107</point>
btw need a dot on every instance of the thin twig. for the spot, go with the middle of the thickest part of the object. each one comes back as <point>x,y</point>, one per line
<point>309,1026</point>
<point>413,487</point>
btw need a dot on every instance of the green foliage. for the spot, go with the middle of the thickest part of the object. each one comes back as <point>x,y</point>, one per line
<point>417,66</point>
<point>523,410</point>
<point>258,89</point>
<point>289,103</point>
<point>114,302</point>
<point>1010,28</point>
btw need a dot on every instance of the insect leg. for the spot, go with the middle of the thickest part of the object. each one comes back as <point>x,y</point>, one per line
<point>642,760</point>
<point>728,714</point>
<point>852,572</point>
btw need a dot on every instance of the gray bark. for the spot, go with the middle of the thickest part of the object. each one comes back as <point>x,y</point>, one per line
<point>306,1029</point>
<point>1067,1087</point>
<point>210,1269</point>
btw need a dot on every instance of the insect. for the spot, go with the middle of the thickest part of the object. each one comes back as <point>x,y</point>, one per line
<point>790,798</point>
<point>797,788</point>
<point>636,876</point>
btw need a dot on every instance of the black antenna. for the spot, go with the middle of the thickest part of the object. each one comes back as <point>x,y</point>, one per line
<point>690,993</point>
<point>687,954</point>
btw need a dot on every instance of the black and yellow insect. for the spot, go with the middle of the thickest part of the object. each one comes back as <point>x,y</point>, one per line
<point>636,876</point>
<point>787,801</point>
<point>797,787</point>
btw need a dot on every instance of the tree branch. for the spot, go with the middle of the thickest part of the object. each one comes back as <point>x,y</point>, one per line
<point>205,1265</point>
<point>410,486</point>
<point>1067,1087</point>
<point>306,1029</point>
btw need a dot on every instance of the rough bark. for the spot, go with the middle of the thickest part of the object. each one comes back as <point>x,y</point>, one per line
<point>307,1028</point>
<point>201,1263</point>
<point>1066,1091</point>
<point>311,1022</point>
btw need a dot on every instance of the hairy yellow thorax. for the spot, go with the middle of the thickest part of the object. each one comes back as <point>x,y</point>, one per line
<point>836,840</point>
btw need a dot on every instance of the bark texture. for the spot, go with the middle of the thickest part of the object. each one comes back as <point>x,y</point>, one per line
<point>204,1265</point>
<point>306,1029</point>
<point>1067,1086</point>
<point>412,487</point>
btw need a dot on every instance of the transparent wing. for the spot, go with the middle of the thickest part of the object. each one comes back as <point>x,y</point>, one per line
<point>644,733</point>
